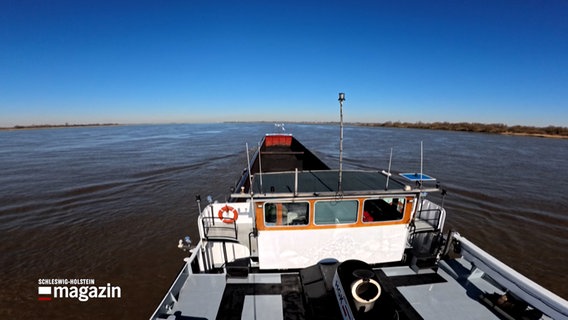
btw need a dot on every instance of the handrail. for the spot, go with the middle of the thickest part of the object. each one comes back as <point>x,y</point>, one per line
<point>431,213</point>
<point>431,219</point>
<point>218,230</point>
<point>524,288</point>
<point>330,193</point>
<point>171,296</point>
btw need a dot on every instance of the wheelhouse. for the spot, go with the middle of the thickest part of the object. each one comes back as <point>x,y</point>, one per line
<point>293,211</point>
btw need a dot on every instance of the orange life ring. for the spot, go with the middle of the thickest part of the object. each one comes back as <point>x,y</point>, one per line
<point>228,209</point>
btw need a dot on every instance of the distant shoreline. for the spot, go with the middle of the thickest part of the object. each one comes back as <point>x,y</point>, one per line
<point>553,132</point>
<point>493,128</point>
<point>552,136</point>
<point>55,126</point>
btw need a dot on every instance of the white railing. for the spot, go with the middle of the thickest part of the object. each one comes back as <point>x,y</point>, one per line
<point>431,213</point>
<point>172,295</point>
<point>524,288</point>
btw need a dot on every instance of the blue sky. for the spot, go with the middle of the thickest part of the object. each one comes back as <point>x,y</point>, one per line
<point>490,61</point>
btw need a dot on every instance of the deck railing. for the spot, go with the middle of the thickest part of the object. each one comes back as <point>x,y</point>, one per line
<point>431,214</point>
<point>425,237</point>
<point>214,229</point>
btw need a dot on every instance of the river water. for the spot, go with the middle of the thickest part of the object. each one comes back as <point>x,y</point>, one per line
<point>110,203</point>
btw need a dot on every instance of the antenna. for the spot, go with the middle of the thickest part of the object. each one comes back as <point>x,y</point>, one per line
<point>260,166</point>
<point>389,172</point>
<point>421,162</point>
<point>341,99</point>
<point>248,166</point>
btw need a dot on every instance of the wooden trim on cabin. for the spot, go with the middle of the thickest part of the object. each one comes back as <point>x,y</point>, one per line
<point>260,223</point>
<point>406,214</point>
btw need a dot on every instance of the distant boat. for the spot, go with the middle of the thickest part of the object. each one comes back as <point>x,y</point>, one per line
<point>298,240</point>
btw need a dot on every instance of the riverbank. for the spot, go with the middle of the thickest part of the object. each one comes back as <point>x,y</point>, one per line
<point>492,128</point>
<point>495,128</point>
<point>552,136</point>
<point>54,126</point>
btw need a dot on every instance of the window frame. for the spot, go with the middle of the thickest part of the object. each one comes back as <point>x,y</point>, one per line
<point>356,201</point>
<point>280,214</point>
<point>401,213</point>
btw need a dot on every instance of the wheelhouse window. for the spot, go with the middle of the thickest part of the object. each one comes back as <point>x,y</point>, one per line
<point>336,212</point>
<point>286,213</point>
<point>383,209</point>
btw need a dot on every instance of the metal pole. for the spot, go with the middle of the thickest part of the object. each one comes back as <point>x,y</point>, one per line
<point>198,200</point>
<point>295,182</point>
<point>248,168</point>
<point>389,172</point>
<point>341,99</point>
<point>260,166</point>
<point>421,161</point>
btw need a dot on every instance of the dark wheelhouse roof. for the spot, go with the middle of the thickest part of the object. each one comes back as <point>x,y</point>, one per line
<point>326,181</point>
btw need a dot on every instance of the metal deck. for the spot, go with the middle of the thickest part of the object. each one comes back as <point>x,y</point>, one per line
<point>446,293</point>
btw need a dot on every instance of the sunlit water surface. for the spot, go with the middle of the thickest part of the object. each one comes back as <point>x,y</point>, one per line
<point>110,203</point>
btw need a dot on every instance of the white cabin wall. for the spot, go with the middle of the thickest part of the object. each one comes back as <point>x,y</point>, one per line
<point>288,249</point>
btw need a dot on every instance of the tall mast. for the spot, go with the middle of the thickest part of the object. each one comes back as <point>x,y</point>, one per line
<point>341,99</point>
